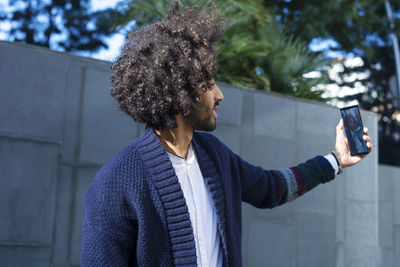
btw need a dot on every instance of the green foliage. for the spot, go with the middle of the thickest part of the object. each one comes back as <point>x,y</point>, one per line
<point>278,60</point>
<point>255,50</point>
<point>360,28</point>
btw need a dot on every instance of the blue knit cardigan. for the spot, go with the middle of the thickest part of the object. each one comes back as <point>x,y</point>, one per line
<point>135,213</point>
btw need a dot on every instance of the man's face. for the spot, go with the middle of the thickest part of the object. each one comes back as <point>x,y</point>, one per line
<point>204,116</point>
<point>351,123</point>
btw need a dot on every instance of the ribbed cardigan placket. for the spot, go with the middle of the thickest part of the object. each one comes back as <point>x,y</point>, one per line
<point>175,214</point>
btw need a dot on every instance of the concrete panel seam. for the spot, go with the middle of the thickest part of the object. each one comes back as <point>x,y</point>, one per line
<point>65,97</point>
<point>30,139</point>
<point>56,202</point>
<point>84,64</point>
<point>348,198</point>
<point>58,172</point>
<point>80,165</point>
<point>76,159</point>
<point>23,244</point>
<point>315,213</point>
<point>250,101</point>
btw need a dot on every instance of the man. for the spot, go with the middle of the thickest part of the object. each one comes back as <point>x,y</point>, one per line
<point>355,140</point>
<point>173,196</point>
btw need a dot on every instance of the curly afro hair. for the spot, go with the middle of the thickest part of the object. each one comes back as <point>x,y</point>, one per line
<point>164,66</point>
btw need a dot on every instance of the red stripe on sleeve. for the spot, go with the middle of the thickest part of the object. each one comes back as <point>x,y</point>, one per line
<point>299,180</point>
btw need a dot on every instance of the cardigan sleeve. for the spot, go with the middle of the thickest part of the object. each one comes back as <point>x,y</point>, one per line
<point>100,248</point>
<point>109,230</point>
<point>269,188</point>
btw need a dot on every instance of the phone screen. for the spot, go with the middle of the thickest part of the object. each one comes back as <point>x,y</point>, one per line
<point>353,127</point>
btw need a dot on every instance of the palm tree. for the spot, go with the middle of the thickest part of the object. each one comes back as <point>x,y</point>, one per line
<point>255,51</point>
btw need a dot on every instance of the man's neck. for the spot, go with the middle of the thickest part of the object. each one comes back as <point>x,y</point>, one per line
<point>177,141</point>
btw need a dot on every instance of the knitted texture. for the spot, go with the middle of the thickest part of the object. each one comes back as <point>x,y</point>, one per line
<point>135,213</point>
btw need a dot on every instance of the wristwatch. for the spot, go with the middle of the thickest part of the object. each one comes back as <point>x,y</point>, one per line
<point>338,163</point>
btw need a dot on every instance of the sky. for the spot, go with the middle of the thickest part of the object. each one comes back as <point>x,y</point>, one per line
<point>115,41</point>
<point>101,4</point>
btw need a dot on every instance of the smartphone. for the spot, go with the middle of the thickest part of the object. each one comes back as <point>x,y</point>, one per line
<point>354,129</point>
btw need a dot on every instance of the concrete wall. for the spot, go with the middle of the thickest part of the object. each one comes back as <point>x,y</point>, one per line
<point>334,225</point>
<point>58,125</point>
<point>389,215</point>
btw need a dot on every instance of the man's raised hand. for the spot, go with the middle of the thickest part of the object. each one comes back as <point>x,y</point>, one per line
<point>342,147</point>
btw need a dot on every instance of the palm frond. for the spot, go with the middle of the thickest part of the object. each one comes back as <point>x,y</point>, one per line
<point>255,50</point>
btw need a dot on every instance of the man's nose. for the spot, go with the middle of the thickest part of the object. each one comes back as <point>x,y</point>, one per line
<point>219,96</point>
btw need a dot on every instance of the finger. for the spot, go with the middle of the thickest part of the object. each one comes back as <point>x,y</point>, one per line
<point>340,130</point>
<point>367,138</point>
<point>369,145</point>
<point>362,156</point>
<point>366,130</point>
<point>356,159</point>
<point>340,125</point>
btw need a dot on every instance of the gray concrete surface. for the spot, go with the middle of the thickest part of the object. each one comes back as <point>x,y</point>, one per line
<point>389,215</point>
<point>59,124</point>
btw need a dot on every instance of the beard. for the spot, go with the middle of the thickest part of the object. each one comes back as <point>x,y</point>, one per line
<point>201,118</point>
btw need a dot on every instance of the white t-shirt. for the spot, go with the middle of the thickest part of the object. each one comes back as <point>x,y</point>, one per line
<point>201,209</point>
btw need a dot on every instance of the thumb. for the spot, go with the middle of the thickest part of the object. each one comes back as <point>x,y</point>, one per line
<point>340,127</point>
